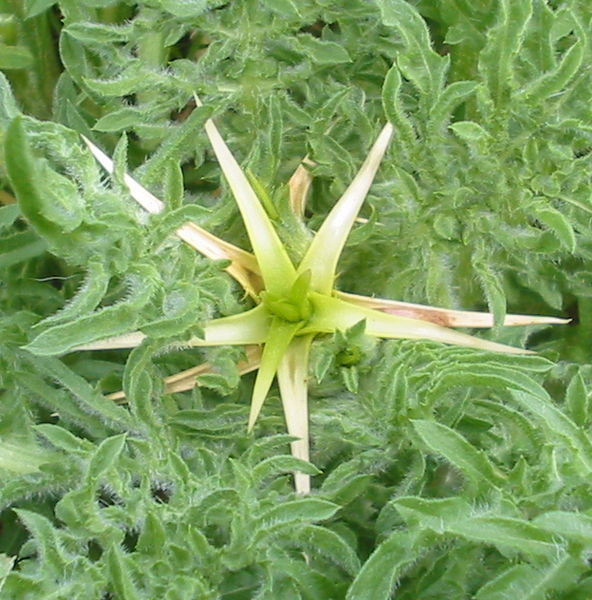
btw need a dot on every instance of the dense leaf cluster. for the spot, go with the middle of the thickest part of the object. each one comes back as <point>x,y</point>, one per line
<point>439,472</point>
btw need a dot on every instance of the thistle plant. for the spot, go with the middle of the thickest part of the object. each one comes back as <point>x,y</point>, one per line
<point>438,471</point>
<point>294,302</point>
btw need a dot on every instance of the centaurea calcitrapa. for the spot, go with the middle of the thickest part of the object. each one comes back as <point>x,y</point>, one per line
<point>296,302</point>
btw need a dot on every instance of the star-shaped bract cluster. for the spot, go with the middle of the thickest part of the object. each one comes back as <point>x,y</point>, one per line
<point>294,303</point>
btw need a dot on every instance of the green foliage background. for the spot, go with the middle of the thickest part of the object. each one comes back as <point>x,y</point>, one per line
<point>439,472</point>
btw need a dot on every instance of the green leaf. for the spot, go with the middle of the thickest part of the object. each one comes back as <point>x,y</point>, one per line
<point>437,514</point>
<point>330,106</point>
<point>106,455</point>
<point>555,80</point>
<point>19,456</point>
<point>182,309</point>
<point>526,435</point>
<point>285,8</point>
<point>36,7</point>
<point>443,107</point>
<point>127,83</point>
<point>118,120</point>
<point>153,537</point>
<point>219,419</point>
<point>269,152</point>
<point>404,132</point>
<point>15,57</point>
<point>61,402</point>
<point>296,511</point>
<point>351,380</point>
<point>438,279</point>
<point>46,541</point>
<point>447,227</point>
<point>185,10</point>
<point>8,106</point>
<point>98,33</point>
<point>344,484</point>
<point>6,563</point>
<point>276,465</point>
<point>86,298</point>
<point>558,427</point>
<point>24,178</point>
<point>262,194</point>
<point>557,223</point>
<point>504,40</point>
<point>531,583</point>
<point>225,498</point>
<point>294,578</point>
<point>63,439</point>
<point>492,285</point>
<point>573,526</point>
<point>386,565</point>
<point>419,63</point>
<point>73,118</point>
<point>92,402</point>
<point>121,579</point>
<point>175,146</point>
<point>469,131</point>
<point>454,515</point>
<point>323,358</point>
<point>104,323</point>
<point>518,579</point>
<point>173,185</point>
<point>328,545</point>
<point>577,401</point>
<point>20,247</point>
<point>523,580</point>
<point>323,52</point>
<point>137,385</point>
<point>463,455</point>
<point>489,376</point>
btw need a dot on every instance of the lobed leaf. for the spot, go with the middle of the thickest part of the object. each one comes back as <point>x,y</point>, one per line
<point>532,582</point>
<point>504,40</point>
<point>24,179</point>
<point>46,540</point>
<point>328,545</point>
<point>121,579</point>
<point>464,456</point>
<point>88,399</point>
<point>302,510</point>
<point>558,426</point>
<point>86,298</point>
<point>64,440</point>
<point>385,566</point>
<point>576,398</point>
<point>418,62</point>
<point>106,455</point>
<point>106,322</point>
